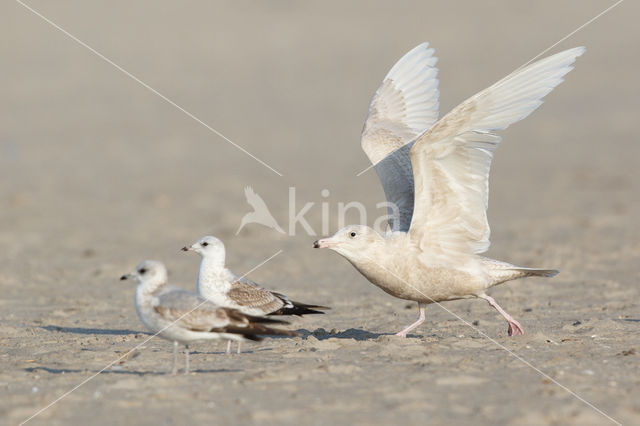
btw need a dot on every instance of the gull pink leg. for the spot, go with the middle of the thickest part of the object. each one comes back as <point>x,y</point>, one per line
<point>228,347</point>
<point>239,344</point>
<point>514,326</point>
<point>421,318</point>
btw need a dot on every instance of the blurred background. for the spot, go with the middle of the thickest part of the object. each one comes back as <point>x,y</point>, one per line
<point>91,159</point>
<point>98,173</point>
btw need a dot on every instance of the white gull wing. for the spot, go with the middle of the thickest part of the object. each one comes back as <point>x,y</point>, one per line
<point>403,107</point>
<point>451,161</point>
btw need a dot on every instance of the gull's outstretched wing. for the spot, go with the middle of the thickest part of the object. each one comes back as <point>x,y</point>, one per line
<point>403,107</point>
<point>451,161</point>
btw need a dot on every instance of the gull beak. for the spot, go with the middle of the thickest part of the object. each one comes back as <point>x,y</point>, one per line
<point>325,243</point>
<point>125,277</point>
<point>186,248</point>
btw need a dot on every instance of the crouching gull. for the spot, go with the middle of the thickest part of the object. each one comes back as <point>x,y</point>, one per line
<point>435,174</point>
<point>224,288</point>
<point>183,317</point>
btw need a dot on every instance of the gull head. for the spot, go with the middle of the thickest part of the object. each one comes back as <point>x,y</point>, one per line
<point>353,241</point>
<point>149,272</point>
<point>208,246</point>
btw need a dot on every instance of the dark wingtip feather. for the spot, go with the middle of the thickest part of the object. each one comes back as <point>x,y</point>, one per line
<point>252,337</point>
<point>265,320</point>
<point>300,309</point>
<point>255,331</point>
<point>268,331</point>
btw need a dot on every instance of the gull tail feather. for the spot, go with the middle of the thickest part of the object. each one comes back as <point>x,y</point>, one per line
<point>534,272</point>
<point>503,271</point>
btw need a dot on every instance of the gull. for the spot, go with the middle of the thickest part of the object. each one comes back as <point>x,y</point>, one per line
<point>436,175</point>
<point>224,288</point>
<point>183,317</point>
<point>260,214</point>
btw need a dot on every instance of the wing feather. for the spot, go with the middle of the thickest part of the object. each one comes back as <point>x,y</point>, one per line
<point>248,294</point>
<point>403,107</point>
<point>452,160</point>
<point>191,311</point>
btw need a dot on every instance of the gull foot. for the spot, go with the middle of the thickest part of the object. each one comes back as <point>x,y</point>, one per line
<point>515,328</point>
<point>401,334</point>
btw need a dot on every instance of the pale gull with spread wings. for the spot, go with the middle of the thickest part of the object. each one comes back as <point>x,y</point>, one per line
<point>436,172</point>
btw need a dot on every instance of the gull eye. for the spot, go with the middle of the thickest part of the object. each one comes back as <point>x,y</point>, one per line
<point>353,234</point>
<point>205,244</point>
<point>142,271</point>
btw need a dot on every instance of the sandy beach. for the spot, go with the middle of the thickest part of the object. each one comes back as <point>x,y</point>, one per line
<point>97,173</point>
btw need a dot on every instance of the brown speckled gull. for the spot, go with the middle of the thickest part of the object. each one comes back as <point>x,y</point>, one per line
<point>183,317</point>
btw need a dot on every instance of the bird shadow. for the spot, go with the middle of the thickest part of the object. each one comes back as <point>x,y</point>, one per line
<point>247,351</point>
<point>100,331</point>
<point>351,333</point>
<point>125,372</point>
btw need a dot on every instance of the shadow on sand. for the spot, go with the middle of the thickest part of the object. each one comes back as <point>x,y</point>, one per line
<point>118,371</point>
<point>102,331</point>
<point>245,351</point>
<point>351,333</point>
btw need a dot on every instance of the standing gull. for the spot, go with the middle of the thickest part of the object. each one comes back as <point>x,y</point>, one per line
<point>431,252</point>
<point>183,317</point>
<point>224,288</point>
